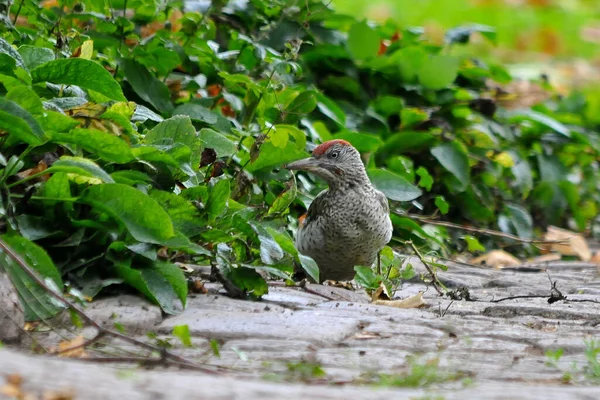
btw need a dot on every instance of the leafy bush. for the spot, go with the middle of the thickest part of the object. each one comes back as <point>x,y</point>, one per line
<point>139,136</point>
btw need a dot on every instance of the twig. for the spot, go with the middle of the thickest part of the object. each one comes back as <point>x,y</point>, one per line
<point>434,280</point>
<point>485,231</point>
<point>526,296</point>
<point>555,295</point>
<point>102,330</point>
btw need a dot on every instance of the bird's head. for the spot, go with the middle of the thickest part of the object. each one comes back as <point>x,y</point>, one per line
<point>336,161</point>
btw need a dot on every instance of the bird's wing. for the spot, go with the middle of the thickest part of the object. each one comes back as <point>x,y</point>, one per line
<point>311,226</point>
<point>316,208</point>
<point>383,201</point>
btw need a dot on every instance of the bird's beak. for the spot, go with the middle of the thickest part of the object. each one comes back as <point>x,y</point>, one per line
<point>306,164</point>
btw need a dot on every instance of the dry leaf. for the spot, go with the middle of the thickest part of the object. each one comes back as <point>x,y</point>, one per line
<point>381,293</point>
<point>415,301</point>
<point>595,258</point>
<point>574,243</point>
<point>59,395</point>
<point>496,259</point>
<point>518,94</point>
<point>40,167</point>
<point>544,258</point>
<point>77,345</point>
<point>366,335</point>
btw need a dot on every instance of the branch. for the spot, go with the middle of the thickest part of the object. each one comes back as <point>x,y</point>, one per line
<point>102,331</point>
<point>485,231</point>
<point>437,285</point>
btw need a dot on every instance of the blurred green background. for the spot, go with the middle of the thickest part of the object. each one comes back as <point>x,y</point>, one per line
<point>557,37</point>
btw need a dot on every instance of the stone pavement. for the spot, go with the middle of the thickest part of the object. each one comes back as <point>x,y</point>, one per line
<point>268,349</point>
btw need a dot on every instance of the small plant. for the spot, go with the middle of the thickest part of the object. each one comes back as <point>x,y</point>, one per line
<point>420,374</point>
<point>590,372</point>
<point>592,369</point>
<point>553,356</point>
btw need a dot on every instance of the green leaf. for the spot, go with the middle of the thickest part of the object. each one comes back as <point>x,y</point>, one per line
<point>174,275</point>
<point>249,281</point>
<point>285,198</point>
<point>104,145</point>
<point>409,60</point>
<point>437,72</point>
<point>217,200</point>
<point>36,302</point>
<point>270,156</point>
<point>278,137</point>
<point>473,244</point>
<point>25,97</point>
<point>411,116</point>
<point>426,180</point>
<point>270,251</point>
<point>182,332</point>
<point>147,86</point>
<point>83,73</point>
<point>542,119</point>
<point>393,186</point>
<point>35,56</point>
<point>53,121</point>
<point>403,142</point>
<point>143,217</point>
<point>80,166</point>
<point>330,109</point>
<point>155,283</point>
<point>175,130</point>
<point>186,218</point>
<point>19,123</point>
<point>197,113</point>
<point>304,103</point>
<point>571,193</point>
<point>7,48</point>
<point>521,220</point>
<point>309,266</point>
<point>218,142</point>
<point>363,142</point>
<point>453,157</point>
<point>442,204</point>
<point>366,277</point>
<point>363,41</point>
<point>58,186</point>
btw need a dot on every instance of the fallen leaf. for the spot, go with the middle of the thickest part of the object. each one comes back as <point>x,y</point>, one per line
<point>415,301</point>
<point>544,258</point>
<point>381,293</point>
<point>518,94</point>
<point>78,350</point>
<point>595,258</point>
<point>574,243</point>
<point>59,395</point>
<point>366,336</point>
<point>496,259</point>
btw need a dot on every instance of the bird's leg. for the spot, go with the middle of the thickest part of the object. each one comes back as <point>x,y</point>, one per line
<point>379,263</point>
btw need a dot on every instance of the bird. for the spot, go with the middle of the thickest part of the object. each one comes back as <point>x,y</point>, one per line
<point>348,223</point>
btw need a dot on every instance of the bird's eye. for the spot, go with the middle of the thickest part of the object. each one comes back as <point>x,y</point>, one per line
<point>334,154</point>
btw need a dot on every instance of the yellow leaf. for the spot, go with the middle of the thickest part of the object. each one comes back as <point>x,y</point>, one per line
<point>415,301</point>
<point>87,49</point>
<point>504,159</point>
<point>574,243</point>
<point>496,259</point>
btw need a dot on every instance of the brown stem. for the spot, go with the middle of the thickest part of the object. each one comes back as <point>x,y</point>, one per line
<point>101,330</point>
<point>485,231</point>
<point>437,285</point>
